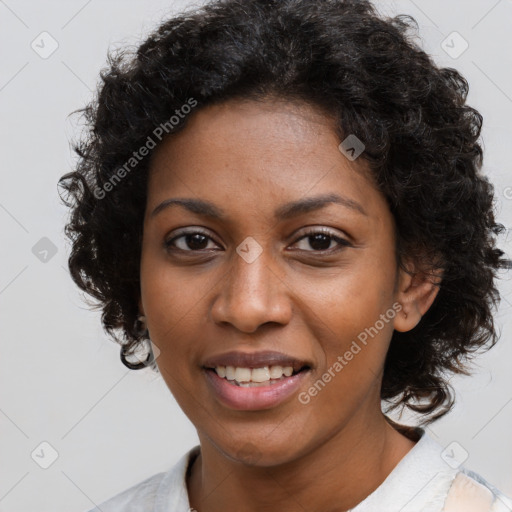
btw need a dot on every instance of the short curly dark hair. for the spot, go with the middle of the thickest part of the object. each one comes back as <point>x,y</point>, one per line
<point>365,70</point>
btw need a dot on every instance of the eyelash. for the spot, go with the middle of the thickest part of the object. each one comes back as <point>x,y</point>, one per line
<point>311,232</point>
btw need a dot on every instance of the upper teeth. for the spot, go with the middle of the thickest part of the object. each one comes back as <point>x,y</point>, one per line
<point>253,374</point>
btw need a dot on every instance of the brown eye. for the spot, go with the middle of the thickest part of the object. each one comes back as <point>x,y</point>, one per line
<point>321,240</point>
<point>189,242</point>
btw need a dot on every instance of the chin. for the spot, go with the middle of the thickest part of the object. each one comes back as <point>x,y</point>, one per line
<point>258,451</point>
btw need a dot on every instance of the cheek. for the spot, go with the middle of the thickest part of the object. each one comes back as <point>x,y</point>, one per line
<point>352,314</point>
<point>353,343</point>
<point>175,309</point>
<point>173,297</point>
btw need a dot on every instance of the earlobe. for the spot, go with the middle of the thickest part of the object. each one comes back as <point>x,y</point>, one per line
<point>416,293</point>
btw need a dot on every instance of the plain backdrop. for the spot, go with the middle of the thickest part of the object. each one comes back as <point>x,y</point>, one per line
<point>104,427</point>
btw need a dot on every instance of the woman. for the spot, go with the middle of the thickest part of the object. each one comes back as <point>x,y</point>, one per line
<point>284,197</point>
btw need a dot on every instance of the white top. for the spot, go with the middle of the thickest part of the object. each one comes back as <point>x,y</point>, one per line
<point>419,483</point>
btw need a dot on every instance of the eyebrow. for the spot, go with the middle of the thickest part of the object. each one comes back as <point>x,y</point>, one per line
<point>286,211</point>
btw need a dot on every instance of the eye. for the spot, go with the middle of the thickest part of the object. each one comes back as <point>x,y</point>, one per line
<point>320,240</point>
<point>189,241</point>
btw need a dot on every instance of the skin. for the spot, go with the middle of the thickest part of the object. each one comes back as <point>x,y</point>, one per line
<point>249,158</point>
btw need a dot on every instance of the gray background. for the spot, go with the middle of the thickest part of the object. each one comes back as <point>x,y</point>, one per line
<point>61,380</point>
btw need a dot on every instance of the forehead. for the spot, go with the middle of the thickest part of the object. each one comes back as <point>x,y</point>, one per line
<point>245,152</point>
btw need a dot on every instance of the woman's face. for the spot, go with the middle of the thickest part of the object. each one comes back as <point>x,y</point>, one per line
<point>258,262</point>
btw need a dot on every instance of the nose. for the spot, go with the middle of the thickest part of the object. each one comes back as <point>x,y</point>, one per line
<point>252,294</point>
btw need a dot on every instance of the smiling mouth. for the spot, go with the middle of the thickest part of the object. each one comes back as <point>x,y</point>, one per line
<point>256,377</point>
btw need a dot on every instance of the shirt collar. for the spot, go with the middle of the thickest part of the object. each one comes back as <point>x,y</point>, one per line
<point>421,478</point>
<point>172,492</point>
<point>420,481</point>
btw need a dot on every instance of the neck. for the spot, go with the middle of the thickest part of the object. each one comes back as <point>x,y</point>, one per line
<point>345,470</point>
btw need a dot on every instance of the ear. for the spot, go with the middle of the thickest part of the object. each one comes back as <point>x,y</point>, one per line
<point>416,291</point>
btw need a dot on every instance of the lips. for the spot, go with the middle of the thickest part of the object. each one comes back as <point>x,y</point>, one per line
<point>262,394</point>
<point>255,360</point>
<point>254,398</point>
